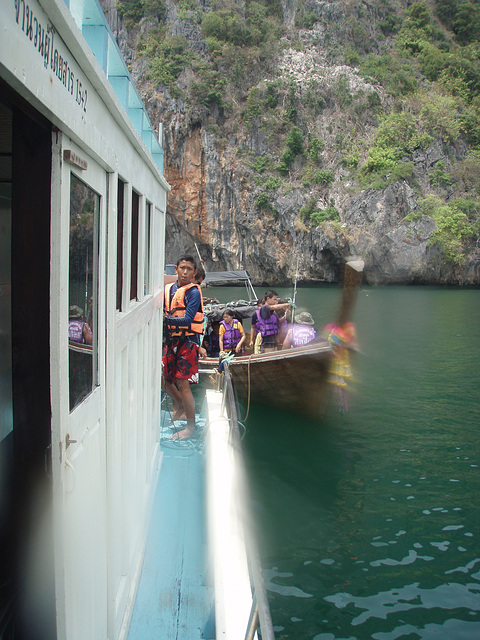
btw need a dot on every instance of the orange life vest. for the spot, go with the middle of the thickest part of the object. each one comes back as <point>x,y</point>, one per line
<point>176,307</point>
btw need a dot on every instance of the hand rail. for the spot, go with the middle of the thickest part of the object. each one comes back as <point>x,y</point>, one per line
<point>260,612</point>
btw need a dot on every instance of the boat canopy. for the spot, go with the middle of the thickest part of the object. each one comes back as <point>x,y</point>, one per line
<point>220,278</point>
<point>226,277</point>
<point>242,309</point>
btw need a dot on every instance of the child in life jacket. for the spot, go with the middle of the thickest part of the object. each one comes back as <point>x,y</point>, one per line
<point>231,335</point>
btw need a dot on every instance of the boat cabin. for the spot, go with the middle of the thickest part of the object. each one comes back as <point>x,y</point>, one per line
<point>82,216</point>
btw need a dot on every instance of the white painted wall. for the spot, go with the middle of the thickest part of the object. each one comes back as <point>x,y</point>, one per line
<point>103,483</point>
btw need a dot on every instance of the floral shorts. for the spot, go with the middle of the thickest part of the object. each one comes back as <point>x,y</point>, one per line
<point>180,360</point>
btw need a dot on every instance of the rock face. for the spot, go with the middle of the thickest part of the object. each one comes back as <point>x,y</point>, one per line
<point>395,251</point>
<point>213,204</point>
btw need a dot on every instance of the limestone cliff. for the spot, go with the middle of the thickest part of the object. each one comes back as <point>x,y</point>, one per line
<point>244,210</point>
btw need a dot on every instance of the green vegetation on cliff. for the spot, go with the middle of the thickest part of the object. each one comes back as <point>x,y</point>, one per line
<point>331,97</point>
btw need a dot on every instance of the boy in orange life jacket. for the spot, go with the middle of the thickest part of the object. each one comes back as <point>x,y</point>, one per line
<point>183,317</point>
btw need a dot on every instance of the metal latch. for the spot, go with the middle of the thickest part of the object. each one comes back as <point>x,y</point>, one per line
<point>69,441</point>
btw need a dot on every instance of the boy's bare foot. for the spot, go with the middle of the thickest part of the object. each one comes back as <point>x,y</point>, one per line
<point>184,434</point>
<point>178,414</point>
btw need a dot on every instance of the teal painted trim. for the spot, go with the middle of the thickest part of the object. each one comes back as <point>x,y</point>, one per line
<point>120,85</point>
<point>136,116</point>
<point>147,135</point>
<point>134,100</point>
<point>91,21</point>
<point>97,39</point>
<point>158,157</point>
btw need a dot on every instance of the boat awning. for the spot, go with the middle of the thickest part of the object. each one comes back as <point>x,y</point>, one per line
<point>242,309</point>
<point>225,277</point>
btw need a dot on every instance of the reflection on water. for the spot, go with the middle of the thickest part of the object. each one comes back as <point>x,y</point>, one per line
<point>271,581</point>
<point>369,520</point>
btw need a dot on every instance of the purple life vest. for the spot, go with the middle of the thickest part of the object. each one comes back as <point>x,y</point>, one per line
<point>232,335</point>
<point>267,327</point>
<point>75,331</point>
<point>302,334</point>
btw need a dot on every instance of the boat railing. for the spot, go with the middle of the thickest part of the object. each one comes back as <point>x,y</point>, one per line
<point>260,611</point>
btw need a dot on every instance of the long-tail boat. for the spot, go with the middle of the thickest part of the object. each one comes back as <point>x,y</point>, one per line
<point>297,379</point>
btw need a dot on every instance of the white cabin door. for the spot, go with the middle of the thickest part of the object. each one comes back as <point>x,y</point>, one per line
<point>80,477</point>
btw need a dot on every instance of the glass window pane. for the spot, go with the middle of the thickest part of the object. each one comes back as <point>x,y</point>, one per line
<point>83,290</point>
<point>120,206</point>
<point>134,254</point>
<point>148,213</point>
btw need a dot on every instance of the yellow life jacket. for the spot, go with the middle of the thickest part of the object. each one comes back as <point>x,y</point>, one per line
<point>176,307</point>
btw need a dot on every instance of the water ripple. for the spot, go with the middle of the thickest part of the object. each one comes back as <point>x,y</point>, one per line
<point>270,574</point>
<point>381,605</point>
<point>410,559</point>
<point>466,568</point>
<point>458,629</point>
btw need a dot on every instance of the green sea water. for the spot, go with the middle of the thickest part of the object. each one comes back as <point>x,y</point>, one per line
<point>369,521</point>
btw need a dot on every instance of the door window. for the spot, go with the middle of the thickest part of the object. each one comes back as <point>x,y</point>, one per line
<point>83,290</point>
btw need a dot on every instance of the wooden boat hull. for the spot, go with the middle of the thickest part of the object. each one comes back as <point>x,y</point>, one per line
<point>293,379</point>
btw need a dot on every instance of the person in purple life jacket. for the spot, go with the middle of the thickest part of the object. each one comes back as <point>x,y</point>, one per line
<point>301,332</point>
<point>231,334</point>
<point>267,323</point>
<point>78,331</point>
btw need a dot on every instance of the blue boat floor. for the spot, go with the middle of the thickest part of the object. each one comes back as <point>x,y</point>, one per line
<point>174,600</point>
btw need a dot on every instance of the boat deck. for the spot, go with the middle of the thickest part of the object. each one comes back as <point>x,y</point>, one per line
<point>174,599</point>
